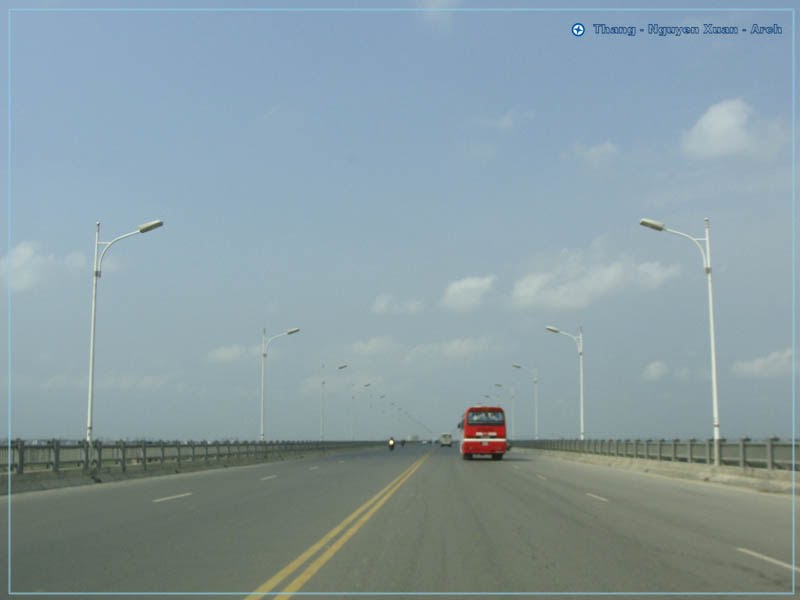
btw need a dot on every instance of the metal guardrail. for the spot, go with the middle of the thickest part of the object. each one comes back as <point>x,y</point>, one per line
<point>60,457</point>
<point>767,454</point>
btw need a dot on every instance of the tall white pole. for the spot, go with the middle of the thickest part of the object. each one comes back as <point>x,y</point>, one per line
<point>263,361</point>
<point>580,360</point>
<point>322,408</point>
<point>98,260</point>
<point>513,414</point>
<point>536,404</point>
<point>95,277</point>
<point>659,226</point>
<point>713,345</point>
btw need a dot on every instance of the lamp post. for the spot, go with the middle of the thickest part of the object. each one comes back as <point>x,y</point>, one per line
<point>579,342</point>
<point>513,409</point>
<point>322,408</point>
<point>264,346</point>
<point>706,254</point>
<point>535,373</point>
<point>98,261</point>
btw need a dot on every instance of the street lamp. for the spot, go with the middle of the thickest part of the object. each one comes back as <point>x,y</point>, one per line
<point>322,408</point>
<point>513,409</point>
<point>264,345</point>
<point>98,260</point>
<point>579,341</point>
<point>535,373</point>
<point>659,226</point>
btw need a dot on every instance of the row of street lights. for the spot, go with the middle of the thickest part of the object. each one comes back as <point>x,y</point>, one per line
<point>578,339</point>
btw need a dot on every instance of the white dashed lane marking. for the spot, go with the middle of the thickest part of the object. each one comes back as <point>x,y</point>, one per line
<point>172,497</point>
<point>597,497</point>
<point>774,561</point>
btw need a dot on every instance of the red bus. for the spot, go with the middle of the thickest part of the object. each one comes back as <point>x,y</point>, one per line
<point>483,432</point>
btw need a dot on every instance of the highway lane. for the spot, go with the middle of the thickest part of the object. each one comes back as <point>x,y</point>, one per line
<point>529,523</point>
<point>535,524</point>
<point>236,526</point>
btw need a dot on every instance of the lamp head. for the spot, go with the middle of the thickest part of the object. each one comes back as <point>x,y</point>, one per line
<point>149,226</point>
<point>552,329</point>
<point>652,224</point>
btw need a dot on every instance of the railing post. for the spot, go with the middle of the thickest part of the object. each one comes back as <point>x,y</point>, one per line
<point>144,455</point>
<point>122,455</point>
<point>660,444</point>
<point>689,450</point>
<point>20,457</point>
<point>87,450</point>
<point>99,456</point>
<point>770,456</point>
<point>674,450</point>
<point>163,453</point>
<point>636,448</point>
<point>742,452</point>
<point>56,456</point>
<point>194,453</point>
<point>178,449</point>
<point>708,452</point>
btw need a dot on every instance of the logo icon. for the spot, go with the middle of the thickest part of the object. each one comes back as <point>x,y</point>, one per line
<point>578,29</point>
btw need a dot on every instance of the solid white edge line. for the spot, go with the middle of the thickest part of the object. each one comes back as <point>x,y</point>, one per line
<point>268,477</point>
<point>172,497</point>
<point>314,467</point>
<point>774,561</point>
<point>597,497</point>
<point>541,477</point>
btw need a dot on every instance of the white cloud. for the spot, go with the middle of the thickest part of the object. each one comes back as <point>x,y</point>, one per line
<point>233,353</point>
<point>456,349</point>
<point>575,281</point>
<point>467,294</point>
<point>386,305</point>
<point>655,371</point>
<point>375,346</point>
<point>730,128</point>
<point>652,275</point>
<point>775,364</point>
<point>508,121</point>
<point>28,266</point>
<point>596,155</point>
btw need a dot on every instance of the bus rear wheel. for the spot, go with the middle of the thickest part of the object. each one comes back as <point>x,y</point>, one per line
<point>497,457</point>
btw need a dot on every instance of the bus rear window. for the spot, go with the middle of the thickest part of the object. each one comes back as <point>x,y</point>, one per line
<point>485,418</point>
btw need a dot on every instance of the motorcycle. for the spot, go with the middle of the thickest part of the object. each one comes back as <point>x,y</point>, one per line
<point>391,444</point>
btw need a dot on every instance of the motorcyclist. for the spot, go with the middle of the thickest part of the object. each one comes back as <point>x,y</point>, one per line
<point>391,443</point>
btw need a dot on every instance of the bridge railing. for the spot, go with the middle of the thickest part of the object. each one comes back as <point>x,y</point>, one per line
<point>769,454</point>
<point>58,456</point>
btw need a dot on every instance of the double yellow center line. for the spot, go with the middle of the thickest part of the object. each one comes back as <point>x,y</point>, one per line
<point>361,515</point>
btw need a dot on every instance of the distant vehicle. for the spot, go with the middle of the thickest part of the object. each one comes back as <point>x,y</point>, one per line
<point>484,432</point>
<point>445,439</point>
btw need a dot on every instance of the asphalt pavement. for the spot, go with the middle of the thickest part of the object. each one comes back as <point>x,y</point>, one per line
<point>416,520</point>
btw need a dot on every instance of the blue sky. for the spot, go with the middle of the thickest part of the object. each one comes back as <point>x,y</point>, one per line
<point>421,193</point>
